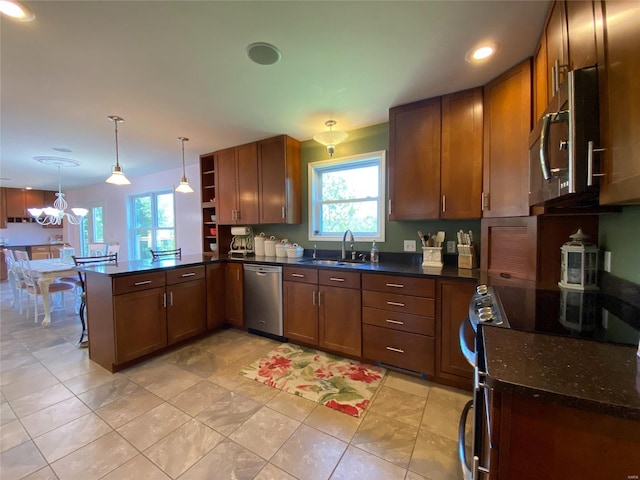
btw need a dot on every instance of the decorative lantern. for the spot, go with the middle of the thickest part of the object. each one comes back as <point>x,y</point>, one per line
<point>579,263</point>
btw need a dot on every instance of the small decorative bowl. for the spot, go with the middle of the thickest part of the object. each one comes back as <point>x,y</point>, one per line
<point>213,247</point>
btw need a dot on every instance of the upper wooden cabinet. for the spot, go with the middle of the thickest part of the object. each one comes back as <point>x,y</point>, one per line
<point>18,201</point>
<point>507,122</point>
<point>461,162</point>
<point>259,182</point>
<point>436,149</point>
<point>279,192</point>
<point>620,104</point>
<point>414,160</point>
<point>3,207</point>
<point>557,47</point>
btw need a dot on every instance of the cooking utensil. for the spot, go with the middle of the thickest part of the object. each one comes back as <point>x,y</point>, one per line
<point>439,239</point>
<point>422,239</point>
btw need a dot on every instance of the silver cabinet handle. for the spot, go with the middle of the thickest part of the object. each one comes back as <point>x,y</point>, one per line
<point>395,285</point>
<point>396,304</point>
<point>164,300</point>
<point>484,202</point>
<point>319,298</point>
<point>397,350</point>
<point>191,274</point>
<point>297,275</point>
<point>336,279</point>
<point>590,174</point>
<point>146,282</point>
<point>284,212</point>
<point>313,298</point>
<point>389,206</point>
<point>395,322</point>
<point>171,299</point>
<point>444,203</point>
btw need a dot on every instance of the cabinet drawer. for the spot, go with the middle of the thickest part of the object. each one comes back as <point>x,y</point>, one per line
<point>339,279</point>
<point>401,349</point>
<point>41,249</point>
<point>424,287</point>
<point>180,275</point>
<point>135,283</point>
<point>295,274</point>
<point>399,321</point>
<point>399,303</point>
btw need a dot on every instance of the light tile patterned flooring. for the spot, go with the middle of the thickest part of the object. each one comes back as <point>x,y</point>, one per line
<point>188,414</point>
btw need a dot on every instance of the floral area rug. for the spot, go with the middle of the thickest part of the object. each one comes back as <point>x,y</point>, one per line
<point>338,383</point>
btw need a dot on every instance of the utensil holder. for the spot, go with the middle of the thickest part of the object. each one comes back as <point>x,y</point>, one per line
<point>467,256</point>
<point>432,256</point>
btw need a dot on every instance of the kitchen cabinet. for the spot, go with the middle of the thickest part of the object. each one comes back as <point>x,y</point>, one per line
<point>461,163</point>
<point>452,306</point>
<point>237,185</point>
<point>620,104</point>
<point>186,303</point>
<point>557,47</point>
<point>279,177</point>
<point>3,208</point>
<point>4,273</point>
<point>528,248</point>
<point>507,122</point>
<point>322,308</point>
<point>42,252</point>
<point>534,439</point>
<point>398,316</point>
<point>213,238</point>
<point>414,160</point>
<point>234,295</point>
<point>540,93</point>
<point>19,201</point>
<point>216,302</point>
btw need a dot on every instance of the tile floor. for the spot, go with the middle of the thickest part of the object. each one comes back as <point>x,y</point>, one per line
<point>189,415</point>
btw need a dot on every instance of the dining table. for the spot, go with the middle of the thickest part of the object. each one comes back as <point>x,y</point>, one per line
<point>46,271</point>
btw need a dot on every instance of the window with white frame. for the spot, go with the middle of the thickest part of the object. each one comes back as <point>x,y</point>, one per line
<point>347,193</point>
<point>151,222</point>
<point>91,228</point>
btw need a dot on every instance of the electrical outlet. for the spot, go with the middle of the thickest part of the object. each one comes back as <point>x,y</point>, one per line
<point>607,262</point>
<point>409,245</point>
<point>451,246</point>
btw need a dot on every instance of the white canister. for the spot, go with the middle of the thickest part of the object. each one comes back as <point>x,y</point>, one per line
<point>270,246</point>
<point>281,248</point>
<point>295,251</point>
<point>258,245</point>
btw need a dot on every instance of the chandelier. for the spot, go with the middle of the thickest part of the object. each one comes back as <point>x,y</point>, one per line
<point>56,214</point>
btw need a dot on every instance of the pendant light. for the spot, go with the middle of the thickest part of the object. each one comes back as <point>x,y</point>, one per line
<point>184,186</point>
<point>330,138</point>
<point>117,174</point>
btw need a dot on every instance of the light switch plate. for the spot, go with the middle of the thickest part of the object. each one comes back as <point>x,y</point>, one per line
<point>409,245</point>
<point>451,246</point>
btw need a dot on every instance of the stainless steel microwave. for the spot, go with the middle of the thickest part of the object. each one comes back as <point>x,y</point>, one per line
<point>562,165</point>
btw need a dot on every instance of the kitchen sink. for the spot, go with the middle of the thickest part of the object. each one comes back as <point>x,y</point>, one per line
<point>338,263</point>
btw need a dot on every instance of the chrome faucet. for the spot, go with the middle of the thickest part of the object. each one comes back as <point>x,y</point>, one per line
<point>344,240</point>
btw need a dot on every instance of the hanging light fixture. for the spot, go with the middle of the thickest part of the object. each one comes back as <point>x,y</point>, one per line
<point>117,174</point>
<point>184,186</point>
<point>330,138</point>
<point>56,214</point>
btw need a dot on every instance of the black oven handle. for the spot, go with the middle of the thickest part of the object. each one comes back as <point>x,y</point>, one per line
<point>469,355</point>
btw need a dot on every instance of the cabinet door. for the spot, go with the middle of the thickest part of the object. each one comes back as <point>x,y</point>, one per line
<point>340,320</point>
<point>215,295</point>
<point>3,207</point>
<point>140,323</point>
<point>581,32</point>
<point>454,308</point>
<point>414,161</point>
<point>557,47</point>
<point>622,110</point>
<point>461,166</point>
<point>247,177</point>
<point>226,188</point>
<point>15,202</point>
<point>234,298</point>
<point>279,176</point>
<point>33,199</point>
<point>507,122</point>
<point>186,307</point>
<point>301,312</point>
<point>540,92</point>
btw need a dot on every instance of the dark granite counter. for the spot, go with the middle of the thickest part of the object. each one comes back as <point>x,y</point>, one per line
<point>589,375</point>
<point>391,267</point>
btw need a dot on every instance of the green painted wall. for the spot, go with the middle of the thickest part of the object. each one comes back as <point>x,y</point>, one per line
<point>619,234</point>
<point>363,140</point>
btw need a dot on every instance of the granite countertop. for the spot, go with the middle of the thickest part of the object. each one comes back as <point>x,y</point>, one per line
<point>588,375</point>
<point>391,267</point>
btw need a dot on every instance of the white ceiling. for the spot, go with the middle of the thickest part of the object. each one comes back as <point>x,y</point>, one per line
<point>173,68</point>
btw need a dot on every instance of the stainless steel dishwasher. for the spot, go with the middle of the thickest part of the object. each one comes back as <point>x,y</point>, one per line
<point>263,299</point>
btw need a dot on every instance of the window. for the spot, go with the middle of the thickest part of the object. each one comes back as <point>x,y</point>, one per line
<point>347,193</point>
<point>91,229</point>
<point>152,223</point>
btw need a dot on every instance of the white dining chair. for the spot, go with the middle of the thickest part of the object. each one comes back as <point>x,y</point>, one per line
<point>113,249</point>
<point>14,276</point>
<point>97,249</point>
<point>31,283</point>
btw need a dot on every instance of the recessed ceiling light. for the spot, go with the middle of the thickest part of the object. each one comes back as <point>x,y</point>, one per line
<point>16,10</point>
<point>481,53</point>
<point>62,149</point>
<point>263,53</point>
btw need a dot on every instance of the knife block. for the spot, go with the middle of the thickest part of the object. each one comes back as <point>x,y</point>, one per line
<point>432,257</point>
<point>467,256</point>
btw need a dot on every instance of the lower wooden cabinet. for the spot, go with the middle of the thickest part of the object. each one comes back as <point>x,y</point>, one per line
<point>215,274</point>
<point>234,295</point>
<point>401,349</point>
<point>322,308</point>
<point>185,303</point>
<point>453,307</point>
